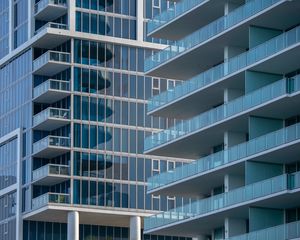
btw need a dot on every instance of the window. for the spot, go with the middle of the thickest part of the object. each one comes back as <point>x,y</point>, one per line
<point>171,166</point>
<point>155,167</point>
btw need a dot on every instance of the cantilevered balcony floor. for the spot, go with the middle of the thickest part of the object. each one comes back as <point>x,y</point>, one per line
<point>204,224</point>
<point>202,97</point>
<point>51,91</point>
<point>48,10</point>
<point>191,60</point>
<point>199,142</point>
<point>50,175</point>
<point>176,27</point>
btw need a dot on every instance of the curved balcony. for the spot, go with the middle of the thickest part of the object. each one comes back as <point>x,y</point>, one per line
<point>50,199</point>
<point>49,10</point>
<point>234,114</point>
<point>51,63</point>
<point>231,29</point>
<point>51,146</point>
<point>51,91</point>
<point>275,55</point>
<point>179,20</point>
<point>51,118</point>
<point>50,175</point>
<point>279,146</point>
<point>271,192</point>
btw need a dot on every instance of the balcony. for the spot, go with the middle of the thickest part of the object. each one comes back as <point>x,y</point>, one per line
<point>278,55</point>
<point>179,20</point>
<point>50,199</point>
<point>232,116</point>
<point>51,146</point>
<point>50,175</point>
<point>51,62</point>
<point>51,35</point>
<point>51,119</point>
<point>49,10</point>
<point>51,91</point>
<point>201,213</point>
<point>275,147</point>
<point>182,60</point>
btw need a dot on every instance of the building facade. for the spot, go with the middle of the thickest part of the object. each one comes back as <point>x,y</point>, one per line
<point>239,106</point>
<point>73,120</point>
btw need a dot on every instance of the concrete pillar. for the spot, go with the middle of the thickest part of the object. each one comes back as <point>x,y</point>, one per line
<point>231,94</point>
<point>234,227</point>
<point>73,226</point>
<point>230,52</point>
<point>135,228</point>
<point>230,6</point>
<point>140,20</point>
<point>71,15</point>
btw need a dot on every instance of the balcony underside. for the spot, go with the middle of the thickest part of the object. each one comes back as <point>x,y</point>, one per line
<point>50,38</point>
<point>51,96</point>
<point>199,143</point>
<point>51,124</point>
<point>185,24</point>
<point>51,12</point>
<point>51,68</point>
<point>284,154</point>
<point>205,55</point>
<point>204,98</point>
<point>204,225</point>
<point>51,152</point>
<point>51,180</point>
<point>88,215</point>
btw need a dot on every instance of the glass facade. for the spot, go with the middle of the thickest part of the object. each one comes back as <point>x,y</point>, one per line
<point>4,30</point>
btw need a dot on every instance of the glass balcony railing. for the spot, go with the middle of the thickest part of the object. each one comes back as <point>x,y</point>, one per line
<point>50,198</point>
<point>52,25</point>
<point>281,232</point>
<point>51,141</point>
<point>225,111</point>
<point>233,65</point>
<point>51,84</point>
<point>249,9</point>
<point>50,112</point>
<point>171,13</point>
<point>237,196</point>
<point>44,3</point>
<point>50,169</point>
<point>229,156</point>
<point>48,56</point>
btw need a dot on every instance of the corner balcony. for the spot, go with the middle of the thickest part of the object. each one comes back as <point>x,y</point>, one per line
<point>50,175</point>
<point>51,35</point>
<point>51,91</point>
<point>276,147</point>
<point>183,59</point>
<point>278,55</point>
<point>49,10</point>
<point>51,146</point>
<point>51,119</point>
<point>179,20</point>
<point>276,100</point>
<point>51,62</point>
<point>50,199</point>
<point>201,216</point>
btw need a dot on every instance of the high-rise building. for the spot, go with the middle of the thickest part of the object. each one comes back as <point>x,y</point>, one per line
<point>239,106</point>
<point>73,120</point>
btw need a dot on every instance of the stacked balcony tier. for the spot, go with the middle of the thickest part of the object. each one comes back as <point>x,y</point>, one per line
<point>51,146</point>
<point>50,174</point>
<point>49,10</point>
<point>51,63</point>
<point>50,199</point>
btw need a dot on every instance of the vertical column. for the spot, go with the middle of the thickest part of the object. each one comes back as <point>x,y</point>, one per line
<point>73,226</point>
<point>234,227</point>
<point>71,15</point>
<point>140,20</point>
<point>135,228</point>
<point>30,19</point>
<point>10,28</point>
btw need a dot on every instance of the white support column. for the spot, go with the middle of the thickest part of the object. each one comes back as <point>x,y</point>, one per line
<point>135,228</point>
<point>73,226</point>
<point>140,20</point>
<point>71,15</point>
